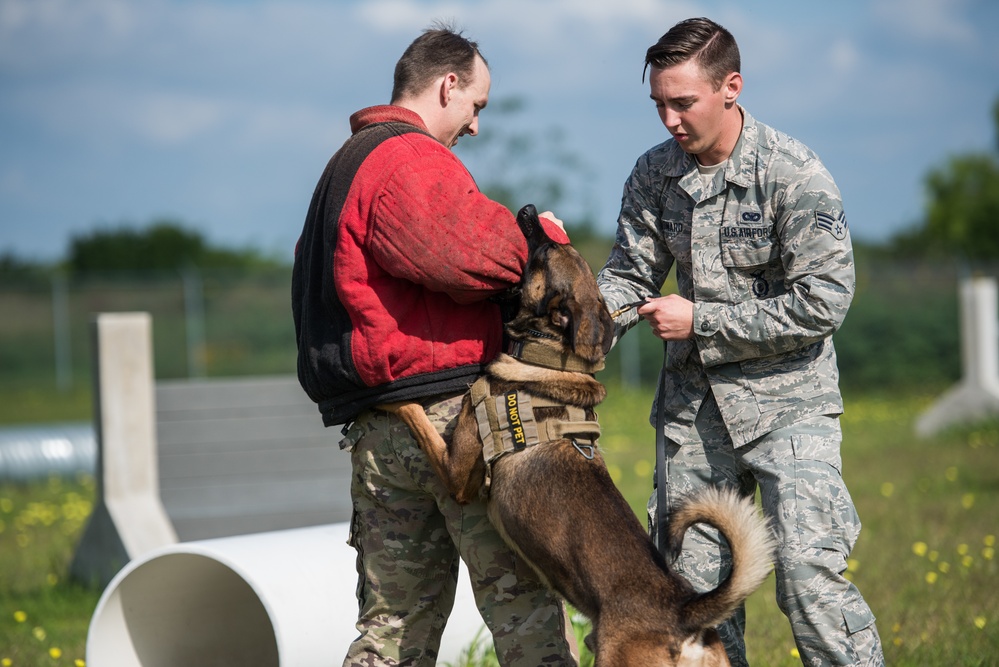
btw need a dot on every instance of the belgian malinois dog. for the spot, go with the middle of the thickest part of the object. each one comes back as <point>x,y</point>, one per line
<point>526,440</point>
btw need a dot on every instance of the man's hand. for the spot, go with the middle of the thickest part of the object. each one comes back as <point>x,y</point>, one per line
<point>551,216</point>
<point>671,317</point>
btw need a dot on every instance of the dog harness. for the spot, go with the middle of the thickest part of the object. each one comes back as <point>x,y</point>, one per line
<point>507,423</point>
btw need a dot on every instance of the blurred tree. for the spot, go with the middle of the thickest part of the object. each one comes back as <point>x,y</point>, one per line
<point>516,165</point>
<point>962,209</point>
<point>16,269</point>
<point>165,245</point>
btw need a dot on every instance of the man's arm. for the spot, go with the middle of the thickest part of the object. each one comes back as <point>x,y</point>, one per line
<point>433,226</point>
<point>640,260</point>
<point>819,276</point>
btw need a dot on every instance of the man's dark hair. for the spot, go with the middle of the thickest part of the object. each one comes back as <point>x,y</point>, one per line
<point>710,45</point>
<point>439,50</point>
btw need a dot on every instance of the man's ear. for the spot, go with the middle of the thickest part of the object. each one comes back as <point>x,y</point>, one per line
<point>733,87</point>
<point>448,84</point>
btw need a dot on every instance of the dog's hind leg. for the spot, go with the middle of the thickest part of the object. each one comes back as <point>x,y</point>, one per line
<point>430,441</point>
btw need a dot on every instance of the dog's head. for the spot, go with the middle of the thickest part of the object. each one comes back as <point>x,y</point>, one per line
<point>559,295</point>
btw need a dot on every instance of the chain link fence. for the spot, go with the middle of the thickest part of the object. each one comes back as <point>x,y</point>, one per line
<point>901,332</point>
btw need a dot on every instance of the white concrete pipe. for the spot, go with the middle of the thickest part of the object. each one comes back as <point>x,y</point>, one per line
<point>283,598</point>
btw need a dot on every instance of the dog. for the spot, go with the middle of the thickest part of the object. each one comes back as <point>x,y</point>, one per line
<point>526,440</point>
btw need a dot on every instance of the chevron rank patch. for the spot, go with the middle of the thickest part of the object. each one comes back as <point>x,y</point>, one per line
<point>835,224</point>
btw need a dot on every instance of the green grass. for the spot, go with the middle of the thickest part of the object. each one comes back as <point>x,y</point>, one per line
<point>925,560</point>
<point>43,615</point>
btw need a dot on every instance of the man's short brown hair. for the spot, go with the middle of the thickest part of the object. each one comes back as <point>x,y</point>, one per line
<point>710,45</point>
<point>439,50</point>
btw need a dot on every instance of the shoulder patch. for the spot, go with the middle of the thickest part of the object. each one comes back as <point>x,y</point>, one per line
<point>835,224</point>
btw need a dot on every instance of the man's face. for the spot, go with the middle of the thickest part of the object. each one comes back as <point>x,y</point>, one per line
<point>693,111</point>
<point>468,98</point>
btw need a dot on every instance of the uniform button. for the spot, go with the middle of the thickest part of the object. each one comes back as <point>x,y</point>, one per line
<point>705,326</point>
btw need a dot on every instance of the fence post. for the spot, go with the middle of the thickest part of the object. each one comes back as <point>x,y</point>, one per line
<point>60,327</point>
<point>128,518</point>
<point>976,396</point>
<point>194,321</point>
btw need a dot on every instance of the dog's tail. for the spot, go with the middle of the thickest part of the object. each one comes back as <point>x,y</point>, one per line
<point>750,542</point>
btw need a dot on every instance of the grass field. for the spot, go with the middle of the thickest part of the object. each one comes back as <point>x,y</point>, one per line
<point>925,560</point>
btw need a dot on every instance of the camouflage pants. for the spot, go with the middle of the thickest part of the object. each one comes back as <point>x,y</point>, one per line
<point>409,534</point>
<point>798,473</point>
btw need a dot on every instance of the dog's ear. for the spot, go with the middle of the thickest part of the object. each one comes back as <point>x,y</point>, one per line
<point>532,228</point>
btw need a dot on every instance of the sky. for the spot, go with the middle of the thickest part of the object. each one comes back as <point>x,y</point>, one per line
<point>221,114</point>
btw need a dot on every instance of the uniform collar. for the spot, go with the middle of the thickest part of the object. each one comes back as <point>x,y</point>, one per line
<point>740,167</point>
<point>385,113</point>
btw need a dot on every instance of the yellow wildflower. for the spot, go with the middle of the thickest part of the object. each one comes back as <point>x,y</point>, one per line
<point>989,541</point>
<point>919,548</point>
<point>967,561</point>
<point>931,578</point>
<point>944,567</point>
<point>951,474</point>
<point>887,489</point>
<point>20,616</point>
<point>56,653</point>
<point>962,549</point>
<point>980,622</point>
<point>988,553</point>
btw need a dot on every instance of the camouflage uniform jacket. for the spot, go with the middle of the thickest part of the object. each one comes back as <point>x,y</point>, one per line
<point>763,251</point>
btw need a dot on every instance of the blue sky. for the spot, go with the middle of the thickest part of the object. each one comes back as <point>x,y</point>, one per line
<point>222,114</point>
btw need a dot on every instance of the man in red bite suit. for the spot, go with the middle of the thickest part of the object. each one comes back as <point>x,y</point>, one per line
<point>391,290</point>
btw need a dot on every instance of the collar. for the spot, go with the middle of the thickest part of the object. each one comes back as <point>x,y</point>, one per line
<point>539,354</point>
<point>740,167</point>
<point>385,113</point>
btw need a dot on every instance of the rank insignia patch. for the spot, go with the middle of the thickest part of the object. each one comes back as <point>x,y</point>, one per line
<point>834,224</point>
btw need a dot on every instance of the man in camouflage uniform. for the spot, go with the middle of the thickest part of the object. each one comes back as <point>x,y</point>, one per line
<point>754,224</point>
<point>409,534</point>
<point>394,272</point>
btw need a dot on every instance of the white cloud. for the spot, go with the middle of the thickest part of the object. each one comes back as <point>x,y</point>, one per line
<point>843,56</point>
<point>555,22</point>
<point>173,118</point>
<point>943,21</point>
<point>39,33</point>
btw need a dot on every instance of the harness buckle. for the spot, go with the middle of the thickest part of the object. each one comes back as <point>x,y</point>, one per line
<point>590,450</point>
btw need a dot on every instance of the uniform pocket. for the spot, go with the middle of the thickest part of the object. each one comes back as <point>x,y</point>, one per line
<point>752,260</point>
<point>354,541</point>
<point>826,516</point>
<point>748,253</point>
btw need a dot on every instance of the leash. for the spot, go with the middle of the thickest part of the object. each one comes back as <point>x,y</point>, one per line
<point>661,498</point>
<point>628,306</point>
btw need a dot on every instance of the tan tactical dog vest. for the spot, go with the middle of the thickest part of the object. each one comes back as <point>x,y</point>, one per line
<point>507,423</point>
